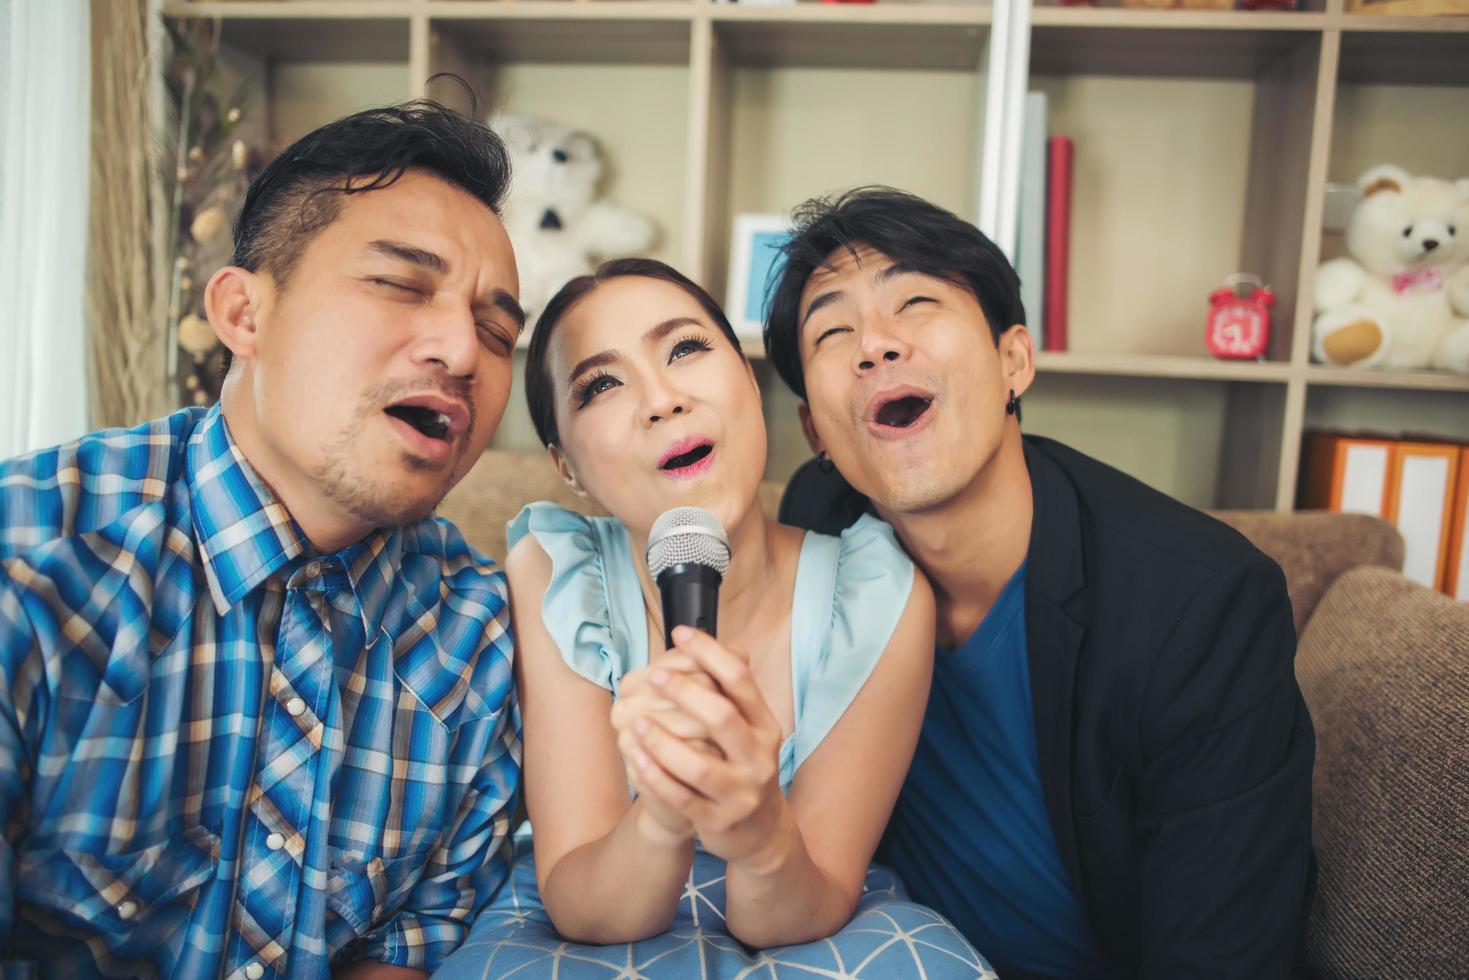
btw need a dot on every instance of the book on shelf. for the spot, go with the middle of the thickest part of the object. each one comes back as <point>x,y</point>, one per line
<point>1059,154</point>
<point>1030,251</point>
<point>1417,485</point>
<point>1456,572</point>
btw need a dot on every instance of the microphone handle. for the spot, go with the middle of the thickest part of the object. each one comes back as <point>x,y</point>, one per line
<point>690,594</point>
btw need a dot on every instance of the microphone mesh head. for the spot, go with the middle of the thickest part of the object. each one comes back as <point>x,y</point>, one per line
<point>687,534</point>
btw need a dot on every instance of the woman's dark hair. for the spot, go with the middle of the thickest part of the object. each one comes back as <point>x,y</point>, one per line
<point>540,389</point>
<point>300,192</point>
<point>911,232</point>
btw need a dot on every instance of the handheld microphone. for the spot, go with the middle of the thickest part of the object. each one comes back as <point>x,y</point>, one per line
<point>688,554</point>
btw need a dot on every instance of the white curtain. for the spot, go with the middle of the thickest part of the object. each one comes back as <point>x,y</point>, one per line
<point>45,126</point>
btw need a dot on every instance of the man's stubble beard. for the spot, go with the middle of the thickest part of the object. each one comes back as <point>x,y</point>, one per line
<point>377,503</point>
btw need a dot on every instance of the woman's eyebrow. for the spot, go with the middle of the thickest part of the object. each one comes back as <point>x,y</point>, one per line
<point>667,327</point>
<point>599,359</point>
<point>610,356</point>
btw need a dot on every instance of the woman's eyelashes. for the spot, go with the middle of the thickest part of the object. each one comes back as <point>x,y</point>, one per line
<point>592,386</point>
<point>688,345</point>
<point>584,391</point>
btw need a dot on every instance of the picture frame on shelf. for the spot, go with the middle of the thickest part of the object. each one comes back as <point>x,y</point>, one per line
<point>755,259</point>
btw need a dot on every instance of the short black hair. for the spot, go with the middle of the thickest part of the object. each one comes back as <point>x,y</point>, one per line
<point>539,388</point>
<point>913,233</point>
<point>300,192</point>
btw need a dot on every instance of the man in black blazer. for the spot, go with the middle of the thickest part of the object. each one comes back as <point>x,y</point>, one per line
<point>1114,775</point>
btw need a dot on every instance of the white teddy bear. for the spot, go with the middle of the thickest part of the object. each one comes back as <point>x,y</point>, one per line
<point>557,230</point>
<point>1402,299</point>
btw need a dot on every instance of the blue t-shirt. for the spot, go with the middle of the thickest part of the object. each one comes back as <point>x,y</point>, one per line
<point>970,834</point>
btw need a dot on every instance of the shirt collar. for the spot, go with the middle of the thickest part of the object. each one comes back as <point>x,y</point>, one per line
<point>372,566</point>
<point>246,535</point>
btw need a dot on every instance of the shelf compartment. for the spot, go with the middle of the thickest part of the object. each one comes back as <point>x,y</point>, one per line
<point>649,40</point>
<point>842,36</point>
<point>306,71</point>
<point>1402,55</point>
<point>1393,89</point>
<point>1153,234</point>
<point>1438,413</point>
<point>1225,44</point>
<point>332,33</point>
<point>1210,444</point>
<point>624,82</point>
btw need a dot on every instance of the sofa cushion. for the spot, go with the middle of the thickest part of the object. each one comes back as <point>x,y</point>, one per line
<point>1313,547</point>
<point>1384,666</point>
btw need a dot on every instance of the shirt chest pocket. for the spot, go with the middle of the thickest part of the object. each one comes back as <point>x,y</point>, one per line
<point>155,887</point>
<point>364,892</point>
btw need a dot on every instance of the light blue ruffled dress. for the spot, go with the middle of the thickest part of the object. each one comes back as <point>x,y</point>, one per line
<point>849,594</point>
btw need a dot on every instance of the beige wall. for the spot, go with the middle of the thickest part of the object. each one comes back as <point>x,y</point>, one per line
<point>308,94</point>
<point>1402,124</point>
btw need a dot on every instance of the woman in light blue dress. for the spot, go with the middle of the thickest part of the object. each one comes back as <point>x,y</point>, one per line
<point>710,810</point>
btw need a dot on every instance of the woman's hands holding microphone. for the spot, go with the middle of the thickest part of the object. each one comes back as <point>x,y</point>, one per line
<point>702,748</point>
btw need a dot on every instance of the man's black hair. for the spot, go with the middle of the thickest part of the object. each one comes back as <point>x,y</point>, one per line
<point>911,232</point>
<point>300,191</point>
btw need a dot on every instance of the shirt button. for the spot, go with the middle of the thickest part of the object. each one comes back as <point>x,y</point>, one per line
<point>275,842</point>
<point>254,971</point>
<point>313,569</point>
<point>127,910</point>
<point>294,707</point>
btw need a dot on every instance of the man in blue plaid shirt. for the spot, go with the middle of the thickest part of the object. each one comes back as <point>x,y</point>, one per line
<point>256,712</point>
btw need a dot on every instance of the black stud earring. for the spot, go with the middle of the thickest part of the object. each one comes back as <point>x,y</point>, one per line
<point>823,464</point>
<point>1012,407</point>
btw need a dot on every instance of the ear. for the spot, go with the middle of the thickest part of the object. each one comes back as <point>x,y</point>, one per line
<point>1017,359</point>
<point>1463,185</point>
<point>233,300</point>
<point>1388,177</point>
<point>563,470</point>
<point>809,428</point>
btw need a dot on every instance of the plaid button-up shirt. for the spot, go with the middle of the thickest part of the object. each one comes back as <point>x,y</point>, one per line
<point>222,755</point>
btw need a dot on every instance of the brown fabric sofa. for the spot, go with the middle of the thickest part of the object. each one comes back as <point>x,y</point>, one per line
<point>1384,666</point>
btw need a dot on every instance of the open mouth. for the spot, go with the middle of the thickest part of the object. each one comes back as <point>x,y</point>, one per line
<point>900,413</point>
<point>428,421</point>
<point>438,420</point>
<point>687,459</point>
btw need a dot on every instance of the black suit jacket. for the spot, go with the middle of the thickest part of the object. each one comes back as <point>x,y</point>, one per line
<point>1175,748</point>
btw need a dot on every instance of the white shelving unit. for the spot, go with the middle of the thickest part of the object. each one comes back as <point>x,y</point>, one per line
<point>1204,142</point>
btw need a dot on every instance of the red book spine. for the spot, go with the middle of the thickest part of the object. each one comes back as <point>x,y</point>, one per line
<point>1059,152</point>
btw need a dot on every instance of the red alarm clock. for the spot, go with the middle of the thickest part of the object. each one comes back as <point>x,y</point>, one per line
<point>1239,318</point>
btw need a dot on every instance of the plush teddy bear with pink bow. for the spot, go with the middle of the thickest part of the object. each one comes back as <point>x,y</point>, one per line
<point>1401,301</point>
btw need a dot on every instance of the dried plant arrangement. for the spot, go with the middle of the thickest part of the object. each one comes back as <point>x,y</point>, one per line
<point>168,172</point>
<point>204,169</point>
<point>125,310</point>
